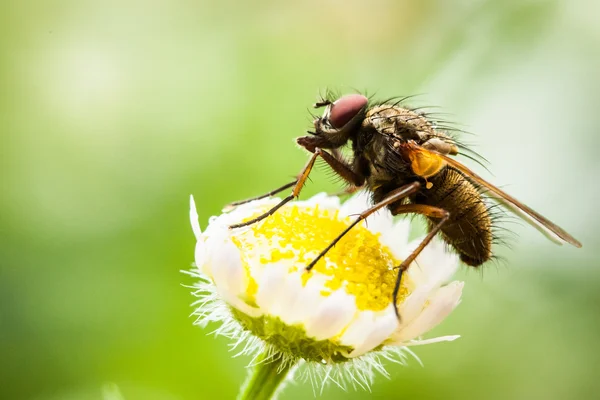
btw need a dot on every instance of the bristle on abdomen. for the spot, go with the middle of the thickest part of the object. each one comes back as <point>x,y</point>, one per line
<point>469,229</point>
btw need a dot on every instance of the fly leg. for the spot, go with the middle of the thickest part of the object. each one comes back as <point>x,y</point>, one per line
<point>337,165</point>
<point>271,193</point>
<point>428,211</point>
<point>351,189</point>
<point>394,196</point>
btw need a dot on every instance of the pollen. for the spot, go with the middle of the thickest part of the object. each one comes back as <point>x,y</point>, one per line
<point>293,237</point>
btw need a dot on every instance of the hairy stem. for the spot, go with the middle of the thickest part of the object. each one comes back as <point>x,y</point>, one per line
<point>265,379</point>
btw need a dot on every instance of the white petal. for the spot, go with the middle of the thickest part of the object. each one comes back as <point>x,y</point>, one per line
<point>270,289</point>
<point>355,204</point>
<point>368,330</point>
<point>420,342</point>
<point>310,297</point>
<point>414,303</point>
<point>384,324</point>
<point>194,219</point>
<point>228,273</point>
<point>244,307</point>
<point>200,258</point>
<point>396,238</point>
<point>332,315</point>
<point>380,221</point>
<point>434,266</point>
<point>242,211</point>
<point>226,266</point>
<point>440,306</point>
<point>292,303</point>
<point>358,329</point>
<point>323,200</point>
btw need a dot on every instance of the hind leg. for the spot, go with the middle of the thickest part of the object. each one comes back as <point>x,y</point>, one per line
<point>428,211</point>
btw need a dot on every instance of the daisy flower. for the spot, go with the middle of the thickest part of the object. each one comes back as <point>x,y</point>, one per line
<point>338,319</point>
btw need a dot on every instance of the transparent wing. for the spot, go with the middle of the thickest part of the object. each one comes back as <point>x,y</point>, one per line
<point>538,221</point>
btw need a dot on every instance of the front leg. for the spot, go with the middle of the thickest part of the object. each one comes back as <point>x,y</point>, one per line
<point>310,143</point>
<point>297,187</point>
<point>338,166</point>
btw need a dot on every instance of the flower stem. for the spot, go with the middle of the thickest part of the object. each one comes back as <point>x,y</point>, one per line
<point>264,380</point>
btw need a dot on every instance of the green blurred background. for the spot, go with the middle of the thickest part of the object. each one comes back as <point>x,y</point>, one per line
<point>113,112</point>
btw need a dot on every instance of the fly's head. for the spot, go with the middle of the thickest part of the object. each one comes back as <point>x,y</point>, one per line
<point>339,122</point>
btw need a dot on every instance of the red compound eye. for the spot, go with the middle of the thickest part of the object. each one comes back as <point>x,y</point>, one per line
<point>345,108</point>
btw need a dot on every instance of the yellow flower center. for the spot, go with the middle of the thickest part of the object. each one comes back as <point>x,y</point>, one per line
<point>295,235</point>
